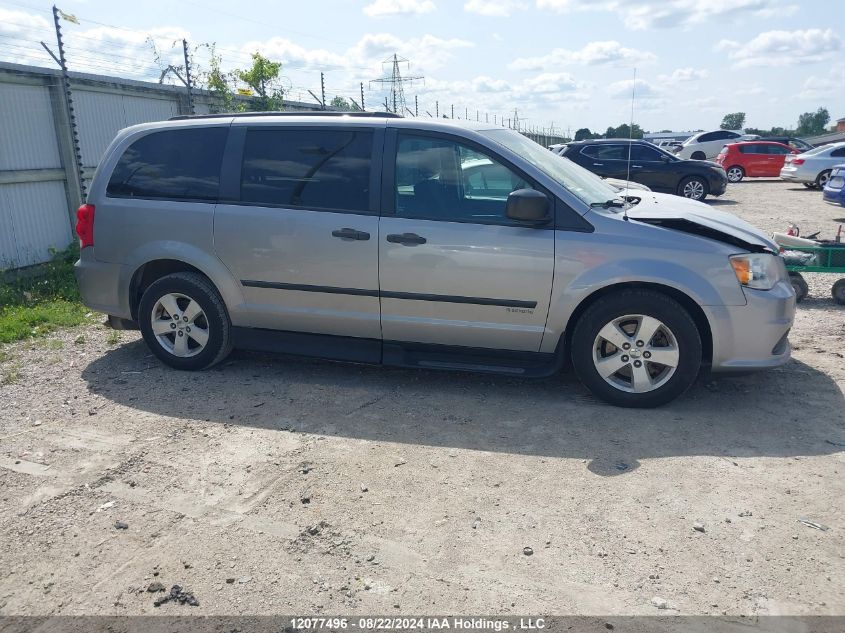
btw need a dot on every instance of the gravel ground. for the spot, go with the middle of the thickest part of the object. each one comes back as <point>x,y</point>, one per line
<point>279,485</point>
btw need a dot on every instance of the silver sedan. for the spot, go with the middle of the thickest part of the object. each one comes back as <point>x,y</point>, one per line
<point>812,168</point>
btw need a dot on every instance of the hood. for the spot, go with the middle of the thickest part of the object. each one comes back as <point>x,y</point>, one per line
<point>690,216</point>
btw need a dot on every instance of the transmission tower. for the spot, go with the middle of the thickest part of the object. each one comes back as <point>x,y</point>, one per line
<point>395,81</point>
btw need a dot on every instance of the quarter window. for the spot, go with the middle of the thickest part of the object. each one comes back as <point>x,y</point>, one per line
<point>181,164</point>
<point>838,152</point>
<point>438,179</point>
<point>315,169</point>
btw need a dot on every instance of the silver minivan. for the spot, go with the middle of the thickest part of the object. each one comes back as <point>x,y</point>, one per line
<point>420,243</point>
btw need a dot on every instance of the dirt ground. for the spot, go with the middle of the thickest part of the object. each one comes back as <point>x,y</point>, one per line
<point>280,485</point>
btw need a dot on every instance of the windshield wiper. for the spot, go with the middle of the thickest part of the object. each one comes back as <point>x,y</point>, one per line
<point>615,202</point>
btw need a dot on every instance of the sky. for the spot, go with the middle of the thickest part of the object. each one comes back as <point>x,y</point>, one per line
<point>562,63</point>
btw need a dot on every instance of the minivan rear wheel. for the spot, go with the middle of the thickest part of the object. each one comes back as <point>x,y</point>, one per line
<point>184,322</point>
<point>636,348</point>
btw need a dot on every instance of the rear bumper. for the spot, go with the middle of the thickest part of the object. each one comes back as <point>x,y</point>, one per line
<point>753,336</point>
<point>104,286</point>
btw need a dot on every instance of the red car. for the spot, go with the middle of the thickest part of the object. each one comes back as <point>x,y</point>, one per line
<point>753,159</point>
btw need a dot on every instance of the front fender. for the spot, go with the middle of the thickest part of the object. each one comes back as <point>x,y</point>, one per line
<point>705,286</point>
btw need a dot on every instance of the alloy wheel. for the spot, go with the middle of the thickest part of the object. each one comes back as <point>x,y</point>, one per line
<point>636,353</point>
<point>179,324</point>
<point>734,174</point>
<point>694,190</point>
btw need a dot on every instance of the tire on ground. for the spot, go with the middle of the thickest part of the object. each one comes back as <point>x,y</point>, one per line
<point>201,290</point>
<point>637,302</point>
<point>684,182</point>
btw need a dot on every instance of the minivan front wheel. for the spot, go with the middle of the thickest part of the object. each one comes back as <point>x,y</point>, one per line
<point>636,348</point>
<point>184,321</point>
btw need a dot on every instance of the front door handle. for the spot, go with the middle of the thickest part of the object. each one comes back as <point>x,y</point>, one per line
<point>636,166</point>
<point>408,239</point>
<point>351,234</point>
<point>598,164</point>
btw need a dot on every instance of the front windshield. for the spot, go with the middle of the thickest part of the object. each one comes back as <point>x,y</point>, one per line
<point>581,183</point>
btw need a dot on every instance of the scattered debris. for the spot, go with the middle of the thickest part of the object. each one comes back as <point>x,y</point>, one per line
<point>364,488</point>
<point>244,579</point>
<point>305,497</point>
<point>746,513</point>
<point>121,525</point>
<point>622,466</point>
<point>177,595</point>
<point>476,523</point>
<point>105,506</point>
<point>315,529</point>
<point>813,524</point>
<point>154,587</point>
<point>305,468</point>
<point>258,404</point>
<point>527,551</point>
<point>659,602</point>
<point>399,463</point>
<point>698,527</point>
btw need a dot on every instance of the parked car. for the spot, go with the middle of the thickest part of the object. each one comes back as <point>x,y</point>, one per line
<point>656,168</point>
<point>834,190</point>
<point>707,145</point>
<point>356,238</point>
<point>753,159</point>
<point>813,168</point>
<point>795,143</point>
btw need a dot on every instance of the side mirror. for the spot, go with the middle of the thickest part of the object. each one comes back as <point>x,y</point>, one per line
<point>528,205</point>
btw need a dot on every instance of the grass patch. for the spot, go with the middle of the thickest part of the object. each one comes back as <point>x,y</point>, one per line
<point>47,298</point>
<point>11,375</point>
<point>113,338</point>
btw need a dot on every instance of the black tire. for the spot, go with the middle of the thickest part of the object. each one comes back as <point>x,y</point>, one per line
<point>698,156</point>
<point>809,185</point>
<point>691,181</point>
<point>799,285</point>
<point>636,302</point>
<point>739,170</point>
<point>198,288</point>
<point>838,291</point>
<point>822,178</point>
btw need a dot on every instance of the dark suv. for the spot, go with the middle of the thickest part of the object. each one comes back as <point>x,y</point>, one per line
<point>649,165</point>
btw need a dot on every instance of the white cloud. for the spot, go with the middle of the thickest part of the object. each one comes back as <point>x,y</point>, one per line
<point>493,8</point>
<point>823,87</point>
<point>784,48</point>
<point>609,53</point>
<point>642,14</point>
<point>640,88</point>
<point>684,75</point>
<point>399,7</point>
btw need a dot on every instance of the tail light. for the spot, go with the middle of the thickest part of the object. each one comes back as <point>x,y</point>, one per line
<point>85,225</point>
<point>797,161</point>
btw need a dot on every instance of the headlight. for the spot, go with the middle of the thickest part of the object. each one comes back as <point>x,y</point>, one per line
<point>758,270</point>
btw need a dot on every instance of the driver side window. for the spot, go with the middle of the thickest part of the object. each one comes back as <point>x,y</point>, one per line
<point>438,179</point>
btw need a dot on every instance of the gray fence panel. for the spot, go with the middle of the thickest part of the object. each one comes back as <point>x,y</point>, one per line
<point>36,216</point>
<point>26,128</point>
<point>102,114</point>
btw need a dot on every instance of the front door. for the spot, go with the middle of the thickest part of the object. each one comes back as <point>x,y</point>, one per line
<point>301,234</point>
<point>453,269</point>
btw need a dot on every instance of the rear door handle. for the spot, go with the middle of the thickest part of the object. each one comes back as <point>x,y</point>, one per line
<point>598,164</point>
<point>351,234</point>
<point>637,166</point>
<point>408,239</point>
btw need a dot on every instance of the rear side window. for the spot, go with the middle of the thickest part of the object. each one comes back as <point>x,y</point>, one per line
<point>838,152</point>
<point>316,169</point>
<point>753,149</point>
<point>606,152</point>
<point>182,164</point>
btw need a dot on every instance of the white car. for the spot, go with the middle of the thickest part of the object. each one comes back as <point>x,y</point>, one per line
<point>707,145</point>
<point>812,168</point>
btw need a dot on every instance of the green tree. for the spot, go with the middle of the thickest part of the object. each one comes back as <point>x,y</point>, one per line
<point>583,134</point>
<point>263,79</point>
<point>341,103</point>
<point>813,123</point>
<point>624,131</point>
<point>733,121</point>
<point>219,83</point>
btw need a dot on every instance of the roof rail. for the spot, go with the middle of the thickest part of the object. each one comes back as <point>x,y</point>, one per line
<point>326,113</point>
